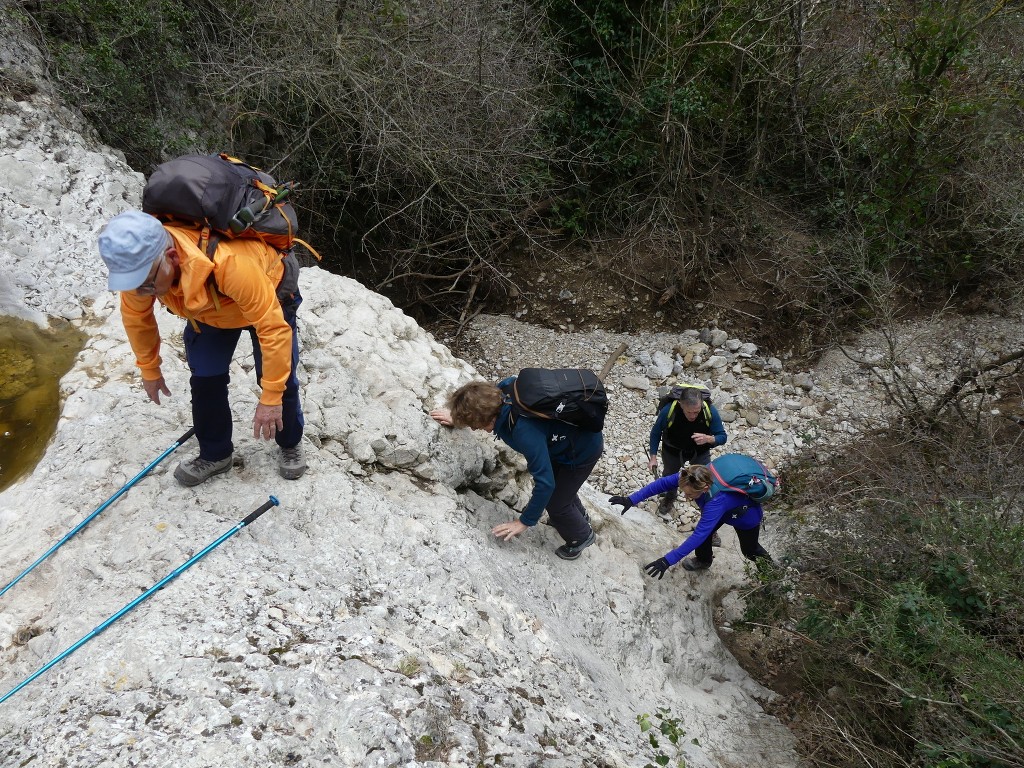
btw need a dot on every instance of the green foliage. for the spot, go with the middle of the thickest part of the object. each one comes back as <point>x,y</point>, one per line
<point>122,64</point>
<point>668,728</point>
<point>957,696</point>
<point>410,666</point>
<point>433,140</point>
<point>904,125</point>
<point>951,583</point>
<point>916,626</point>
<point>654,98</point>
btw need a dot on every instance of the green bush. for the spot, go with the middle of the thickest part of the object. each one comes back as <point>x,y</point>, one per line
<point>128,66</point>
<point>657,101</point>
<point>671,730</point>
<point>908,661</point>
<point>897,133</point>
<point>914,622</point>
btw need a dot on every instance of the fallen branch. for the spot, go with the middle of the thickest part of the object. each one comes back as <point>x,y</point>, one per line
<point>611,360</point>
<point>968,376</point>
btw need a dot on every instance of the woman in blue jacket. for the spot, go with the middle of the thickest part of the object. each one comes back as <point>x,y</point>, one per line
<point>559,456</point>
<point>722,508</point>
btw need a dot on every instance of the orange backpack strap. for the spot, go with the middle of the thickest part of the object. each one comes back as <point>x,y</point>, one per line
<point>309,248</point>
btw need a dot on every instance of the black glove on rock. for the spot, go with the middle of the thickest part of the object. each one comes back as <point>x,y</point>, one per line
<point>623,500</point>
<point>657,568</point>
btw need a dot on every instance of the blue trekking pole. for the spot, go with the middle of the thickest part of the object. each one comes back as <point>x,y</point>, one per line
<point>250,518</point>
<point>102,507</point>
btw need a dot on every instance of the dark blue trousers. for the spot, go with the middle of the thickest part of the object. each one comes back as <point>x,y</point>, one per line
<point>209,351</point>
<point>565,510</point>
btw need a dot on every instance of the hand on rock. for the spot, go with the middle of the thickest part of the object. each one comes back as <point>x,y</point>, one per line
<point>442,416</point>
<point>657,568</point>
<point>623,500</point>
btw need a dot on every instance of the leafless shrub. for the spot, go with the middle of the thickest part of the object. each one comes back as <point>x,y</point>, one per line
<point>413,129</point>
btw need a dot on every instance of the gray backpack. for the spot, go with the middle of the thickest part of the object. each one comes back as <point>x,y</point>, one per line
<point>223,197</point>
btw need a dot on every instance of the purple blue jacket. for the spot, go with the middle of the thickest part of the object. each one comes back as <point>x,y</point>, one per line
<point>738,510</point>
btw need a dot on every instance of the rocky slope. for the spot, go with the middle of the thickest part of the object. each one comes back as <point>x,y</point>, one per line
<point>370,620</point>
<point>768,410</point>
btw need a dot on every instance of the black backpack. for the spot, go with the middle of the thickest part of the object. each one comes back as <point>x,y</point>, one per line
<point>572,395</point>
<point>675,394</point>
<point>224,197</point>
<point>224,194</point>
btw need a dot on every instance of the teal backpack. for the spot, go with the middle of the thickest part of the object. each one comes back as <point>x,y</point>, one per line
<point>742,474</point>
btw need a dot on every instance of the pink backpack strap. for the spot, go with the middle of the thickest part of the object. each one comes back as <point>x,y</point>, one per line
<point>721,481</point>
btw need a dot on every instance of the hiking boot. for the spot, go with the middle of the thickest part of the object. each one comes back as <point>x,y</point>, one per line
<point>572,551</point>
<point>291,463</point>
<point>693,564</point>
<point>716,540</point>
<point>197,470</point>
<point>665,507</point>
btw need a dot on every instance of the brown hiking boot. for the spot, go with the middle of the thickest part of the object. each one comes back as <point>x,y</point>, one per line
<point>197,470</point>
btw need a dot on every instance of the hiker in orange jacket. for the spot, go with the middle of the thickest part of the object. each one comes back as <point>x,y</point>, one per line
<point>148,262</point>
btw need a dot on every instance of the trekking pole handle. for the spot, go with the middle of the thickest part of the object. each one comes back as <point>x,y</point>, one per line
<point>186,436</point>
<point>254,515</point>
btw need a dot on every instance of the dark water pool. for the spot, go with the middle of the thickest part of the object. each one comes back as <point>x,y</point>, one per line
<point>32,360</point>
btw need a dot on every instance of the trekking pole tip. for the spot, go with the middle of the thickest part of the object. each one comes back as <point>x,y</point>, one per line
<point>274,501</point>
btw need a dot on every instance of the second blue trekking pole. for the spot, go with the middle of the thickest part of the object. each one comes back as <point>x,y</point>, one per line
<point>250,518</point>
<point>101,507</point>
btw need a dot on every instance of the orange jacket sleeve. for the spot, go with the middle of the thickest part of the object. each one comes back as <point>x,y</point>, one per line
<point>246,283</point>
<point>143,333</point>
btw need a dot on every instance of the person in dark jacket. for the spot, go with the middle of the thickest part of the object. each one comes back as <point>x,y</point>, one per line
<point>716,509</point>
<point>686,429</point>
<point>559,456</point>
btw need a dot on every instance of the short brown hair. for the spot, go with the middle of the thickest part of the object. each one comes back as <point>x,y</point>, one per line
<point>696,476</point>
<point>475,405</point>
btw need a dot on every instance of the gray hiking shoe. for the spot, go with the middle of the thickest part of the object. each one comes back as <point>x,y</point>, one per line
<point>572,551</point>
<point>291,464</point>
<point>693,564</point>
<point>716,540</point>
<point>197,470</point>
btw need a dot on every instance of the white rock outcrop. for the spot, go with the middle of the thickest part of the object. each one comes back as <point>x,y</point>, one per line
<point>370,619</point>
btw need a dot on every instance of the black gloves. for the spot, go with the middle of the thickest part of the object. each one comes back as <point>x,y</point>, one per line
<point>657,568</point>
<point>623,500</point>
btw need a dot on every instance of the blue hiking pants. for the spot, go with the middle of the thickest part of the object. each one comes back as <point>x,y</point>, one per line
<point>209,351</point>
